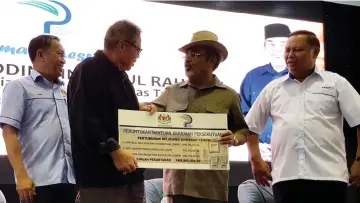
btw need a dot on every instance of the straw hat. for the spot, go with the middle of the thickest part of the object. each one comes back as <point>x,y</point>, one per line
<point>207,38</point>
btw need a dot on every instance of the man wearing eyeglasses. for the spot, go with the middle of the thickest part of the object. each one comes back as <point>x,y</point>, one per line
<point>202,93</point>
<point>98,87</point>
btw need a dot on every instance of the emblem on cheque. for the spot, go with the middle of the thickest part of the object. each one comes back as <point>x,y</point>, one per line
<point>164,118</point>
<point>187,120</point>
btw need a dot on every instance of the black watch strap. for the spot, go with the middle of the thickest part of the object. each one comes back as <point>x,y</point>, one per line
<point>357,158</point>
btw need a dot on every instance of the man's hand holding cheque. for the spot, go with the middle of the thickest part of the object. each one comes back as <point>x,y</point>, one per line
<point>124,160</point>
<point>232,139</point>
<point>148,107</point>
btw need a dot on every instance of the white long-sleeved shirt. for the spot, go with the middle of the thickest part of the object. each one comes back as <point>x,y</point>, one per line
<point>307,136</point>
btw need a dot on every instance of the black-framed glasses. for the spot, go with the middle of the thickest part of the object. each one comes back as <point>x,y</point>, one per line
<point>138,49</point>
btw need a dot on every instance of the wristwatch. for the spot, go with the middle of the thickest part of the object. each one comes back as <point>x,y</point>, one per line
<point>357,158</point>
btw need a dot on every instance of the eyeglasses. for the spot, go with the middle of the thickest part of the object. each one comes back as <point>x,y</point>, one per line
<point>193,54</point>
<point>138,49</point>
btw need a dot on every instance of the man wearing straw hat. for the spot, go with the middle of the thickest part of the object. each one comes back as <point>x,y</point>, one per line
<point>202,93</point>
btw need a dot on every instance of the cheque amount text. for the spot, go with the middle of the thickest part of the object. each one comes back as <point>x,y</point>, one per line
<point>188,160</point>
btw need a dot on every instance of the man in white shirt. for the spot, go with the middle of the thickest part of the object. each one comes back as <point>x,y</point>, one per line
<point>2,198</point>
<point>307,107</point>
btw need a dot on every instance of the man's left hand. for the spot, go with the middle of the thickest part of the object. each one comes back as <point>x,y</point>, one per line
<point>228,138</point>
<point>355,174</point>
<point>148,107</point>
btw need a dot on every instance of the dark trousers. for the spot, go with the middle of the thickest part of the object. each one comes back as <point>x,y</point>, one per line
<point>301,191</point>
<point>132,193</point>
<point>58,193</point>
<point>188,199</point>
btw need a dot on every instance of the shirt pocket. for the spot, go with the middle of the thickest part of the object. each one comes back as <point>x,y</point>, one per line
<point>323,100</point>
<point>39,105</point>
<point>177,106</point>
<point>217,107</point>
<point>61,103</point>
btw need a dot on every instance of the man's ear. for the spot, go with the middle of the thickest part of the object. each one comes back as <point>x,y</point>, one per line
<point>40,54</point>
<point>121,44</point>
<point>215,61</point>
<point>316,52</point>
<point>212,60</point>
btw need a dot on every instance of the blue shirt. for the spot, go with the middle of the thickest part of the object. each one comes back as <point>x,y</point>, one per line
<point>38,109</point>
<point>254,81</point>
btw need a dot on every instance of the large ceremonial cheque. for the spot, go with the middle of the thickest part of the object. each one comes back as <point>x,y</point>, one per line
<point>174,140</point>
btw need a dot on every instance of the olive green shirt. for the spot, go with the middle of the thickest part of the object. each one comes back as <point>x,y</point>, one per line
<point>216,98</point>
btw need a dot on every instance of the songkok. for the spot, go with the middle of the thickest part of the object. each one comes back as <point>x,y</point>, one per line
<point>276,30</point>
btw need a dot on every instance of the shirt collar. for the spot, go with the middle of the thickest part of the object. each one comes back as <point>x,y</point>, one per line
<point>36,76</point>
<point>106,61</point>
<point>218,83</point>
<point>316,71</point>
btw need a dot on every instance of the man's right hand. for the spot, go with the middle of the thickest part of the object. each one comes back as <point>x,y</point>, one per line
<point>25,188</point>
<point>261,172</point>
<point>124,161</point>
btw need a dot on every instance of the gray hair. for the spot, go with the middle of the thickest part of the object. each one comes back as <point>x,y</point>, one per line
<point>121,30</point>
